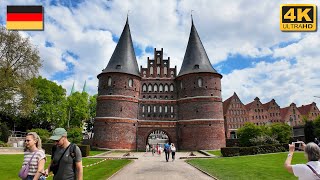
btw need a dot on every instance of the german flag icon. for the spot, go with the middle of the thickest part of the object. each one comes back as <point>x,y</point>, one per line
<point>24,17</point>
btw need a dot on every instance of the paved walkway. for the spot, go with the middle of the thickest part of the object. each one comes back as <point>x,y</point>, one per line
<point>156,168</point>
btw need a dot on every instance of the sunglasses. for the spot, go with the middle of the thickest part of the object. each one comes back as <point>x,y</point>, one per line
<point>27,140</point>
<point>58,140</point>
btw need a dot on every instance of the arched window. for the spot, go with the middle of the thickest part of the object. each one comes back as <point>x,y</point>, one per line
<point>130,83</point>
<point>151,70</point>
<point>172,73</point>
<point>150,88</point>
<point>160,88</point>
<point>160,109</point>
<point>109,81</point>
<point>166,88</point>
<point>171,109</point>
<point>200,82</point>
<point>181,85</point>
<point>158,70</point>
<point>149,109</point>
<point>158,60</point>
<point>144,73</point>
<point>165,70</point>
<point>171,87</point>
<point>155,88</point>
<point>144,88</point>
<point>166,109</point>
<point>143,110</point>
<point>154,108</point>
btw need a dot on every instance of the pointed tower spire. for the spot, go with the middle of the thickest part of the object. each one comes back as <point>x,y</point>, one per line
<point>84,86</point>
<point>72,89</point>
<point>123,59</point>
<point>195,59</point>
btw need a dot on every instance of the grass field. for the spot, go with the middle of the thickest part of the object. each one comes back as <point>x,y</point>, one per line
<point>92,153</point>
<point>264,166</point>
<point>11,164</point>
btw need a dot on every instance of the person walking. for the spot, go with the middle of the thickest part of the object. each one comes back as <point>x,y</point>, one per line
<point>66,160</point>
<point>311,169</point>
<point>173,151</point>
<point>167,151</point>
<point>34,156</point>
<point>153,150</point>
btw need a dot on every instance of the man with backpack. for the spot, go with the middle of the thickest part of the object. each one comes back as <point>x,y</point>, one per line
<point>66,159</point>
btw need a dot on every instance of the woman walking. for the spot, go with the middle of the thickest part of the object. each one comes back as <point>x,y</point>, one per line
<point>34,156</point>
<point>173,151</point>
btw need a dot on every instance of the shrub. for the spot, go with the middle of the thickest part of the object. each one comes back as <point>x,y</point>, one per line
<point>85,149</point>
<point>282,131</point>
<point>43,133</point>
<point>3,144</point>
<point>4,132</point>
<point>242,151</point>
<point>75,135</point>
<point>263,140</point>
<point>247,132</point>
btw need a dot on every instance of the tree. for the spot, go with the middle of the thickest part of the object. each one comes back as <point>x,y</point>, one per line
<point>282,132</point>
<point>50,104</point>
<point>19,62</point>
<point>309,131</point>
<point>316,123</point>
<point>247,132</point>
<point>78,108</point>
<point>92,112</point>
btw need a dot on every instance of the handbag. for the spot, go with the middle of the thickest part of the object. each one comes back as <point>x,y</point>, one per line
<point>23,173</point>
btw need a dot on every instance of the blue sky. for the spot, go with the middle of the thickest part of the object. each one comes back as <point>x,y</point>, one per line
<point>242,39</point>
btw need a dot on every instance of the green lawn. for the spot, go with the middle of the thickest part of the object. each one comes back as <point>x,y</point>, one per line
<point>265,166</point>
<point>11,164</point>
<point>215,152</point>
<point>92,153</point>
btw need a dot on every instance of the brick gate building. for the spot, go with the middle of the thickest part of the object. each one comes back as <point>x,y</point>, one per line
<point>131,104</point>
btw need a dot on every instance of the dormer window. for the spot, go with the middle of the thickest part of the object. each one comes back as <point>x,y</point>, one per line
<point>118,66</point>
<point>196,66</point>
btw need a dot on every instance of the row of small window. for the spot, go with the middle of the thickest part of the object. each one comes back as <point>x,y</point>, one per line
<point>260,117</point>
<point>234,126</point>
<point>240,119</point>
<point>154,109</point>
<point>274,114</point>
<point>315,114</point>
<point>109,82</point>
<point>236,112</point>
<point>160,115</point>
<point>258,110</point>
<point>156,88</point>
<point>155,97</point>
<point>165,71</point>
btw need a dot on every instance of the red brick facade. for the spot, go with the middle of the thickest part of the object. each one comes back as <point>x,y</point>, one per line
<point>187,108</point>
<point>236,114</point>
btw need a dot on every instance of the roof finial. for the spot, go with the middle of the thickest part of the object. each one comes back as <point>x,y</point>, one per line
<point>191,17</point>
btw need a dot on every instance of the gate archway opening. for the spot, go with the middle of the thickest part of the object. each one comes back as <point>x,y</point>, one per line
<point>158,137</point>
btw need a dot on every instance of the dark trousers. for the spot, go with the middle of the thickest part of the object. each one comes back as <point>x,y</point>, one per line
<point>173,155</point>
<point>167,155</point>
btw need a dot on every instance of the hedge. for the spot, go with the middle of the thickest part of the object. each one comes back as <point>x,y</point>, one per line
<point>85,149</point>
<point>242,151</point>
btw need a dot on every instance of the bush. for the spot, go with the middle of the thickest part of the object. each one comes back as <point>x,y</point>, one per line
<point>85,149</point>
<point>75,135</point>
<point>242,151</point>
<point>247,132</point>
<point>43,133</point>
<point>263,140</point>
<point>4,132</point>
<point>3,144</point>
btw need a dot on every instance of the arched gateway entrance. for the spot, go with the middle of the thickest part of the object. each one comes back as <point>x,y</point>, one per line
<point>158,137</point>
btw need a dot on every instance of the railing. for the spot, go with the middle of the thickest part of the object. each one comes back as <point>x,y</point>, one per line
<point>18,134</point>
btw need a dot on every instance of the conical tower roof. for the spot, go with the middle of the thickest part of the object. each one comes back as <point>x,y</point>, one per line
<point>123,59</point>
<point>195,59</point>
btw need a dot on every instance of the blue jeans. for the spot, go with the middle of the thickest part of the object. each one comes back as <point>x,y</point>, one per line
<point>29,177</point>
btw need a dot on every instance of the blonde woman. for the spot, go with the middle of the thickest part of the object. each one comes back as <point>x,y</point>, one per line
<point>34,150</point>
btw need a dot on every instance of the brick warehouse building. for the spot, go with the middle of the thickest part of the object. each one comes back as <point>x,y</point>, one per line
<point>133,104</point>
